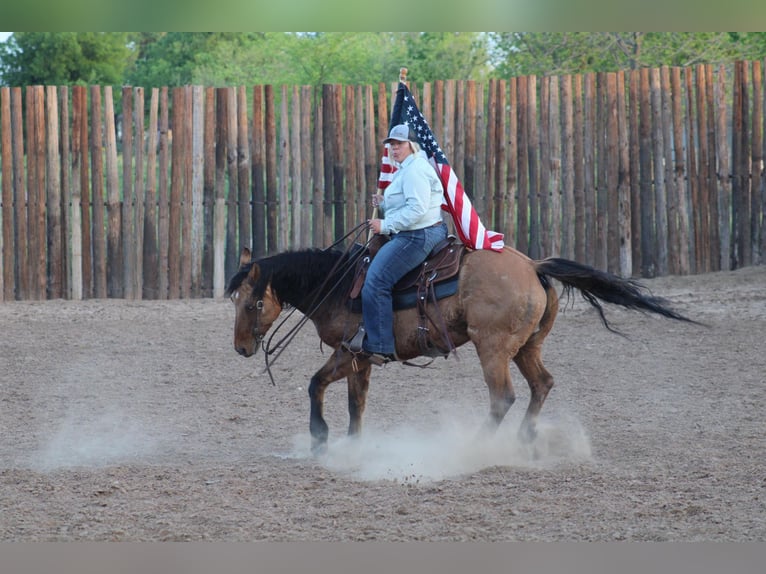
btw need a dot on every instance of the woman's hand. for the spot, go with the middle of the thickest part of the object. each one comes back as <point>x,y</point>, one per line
<point>375,225</point>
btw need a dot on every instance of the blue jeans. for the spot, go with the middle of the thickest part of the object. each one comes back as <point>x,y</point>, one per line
<point>405,251</point>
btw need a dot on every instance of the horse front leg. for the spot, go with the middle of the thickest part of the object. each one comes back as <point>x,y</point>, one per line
<point>338,366</point>
<point>358,385</point>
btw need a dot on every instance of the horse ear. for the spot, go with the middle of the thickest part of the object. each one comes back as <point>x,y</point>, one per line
<point>245,257</point>
<point>254,273</point>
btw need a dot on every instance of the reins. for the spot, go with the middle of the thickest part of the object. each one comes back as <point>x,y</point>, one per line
<point>350,263</point>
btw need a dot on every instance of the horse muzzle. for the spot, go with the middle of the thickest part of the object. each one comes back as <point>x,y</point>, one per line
<point>248,350</point>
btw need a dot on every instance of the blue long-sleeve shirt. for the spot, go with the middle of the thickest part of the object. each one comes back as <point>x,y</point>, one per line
<point>413,198</point>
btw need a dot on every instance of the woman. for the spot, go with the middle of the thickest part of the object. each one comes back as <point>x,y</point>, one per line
<point>411,208</point>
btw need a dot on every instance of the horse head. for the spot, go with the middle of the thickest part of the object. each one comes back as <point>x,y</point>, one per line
<point>256,306</point>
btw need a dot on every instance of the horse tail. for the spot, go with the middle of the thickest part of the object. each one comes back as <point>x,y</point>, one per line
<point>595,286</point>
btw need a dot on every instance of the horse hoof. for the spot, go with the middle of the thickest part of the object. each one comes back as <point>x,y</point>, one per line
<point>527,435</point>
<point>319,448</point>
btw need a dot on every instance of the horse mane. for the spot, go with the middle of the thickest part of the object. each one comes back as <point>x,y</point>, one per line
<point>296,276</point>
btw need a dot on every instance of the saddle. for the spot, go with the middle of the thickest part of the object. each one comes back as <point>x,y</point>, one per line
<point>436,278</point>
<point>442,264</point>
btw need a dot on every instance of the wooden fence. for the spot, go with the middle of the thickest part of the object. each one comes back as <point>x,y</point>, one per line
<point>643,173</point>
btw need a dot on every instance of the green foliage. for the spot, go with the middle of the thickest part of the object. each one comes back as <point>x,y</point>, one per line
<point>447,55</point>
<point>155,59</point>
<point>226,59</point>
<point>553,53</point>
<point>64,58</point>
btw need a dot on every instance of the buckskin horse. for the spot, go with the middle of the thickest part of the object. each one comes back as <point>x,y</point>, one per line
<point>505,304</point>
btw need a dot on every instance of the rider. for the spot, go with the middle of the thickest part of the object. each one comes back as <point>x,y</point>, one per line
<point>411,208</point>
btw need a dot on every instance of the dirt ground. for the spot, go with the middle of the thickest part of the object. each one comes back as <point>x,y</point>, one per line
<point>137,421</point>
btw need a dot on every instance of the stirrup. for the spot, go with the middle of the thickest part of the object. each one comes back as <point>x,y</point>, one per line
<point>381,359</point>
<point>356,343</point>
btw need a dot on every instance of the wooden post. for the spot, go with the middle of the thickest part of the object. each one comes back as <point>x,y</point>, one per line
<point>554,140</point>
<point>673,244</point>
<point>317,193</point>
<point>198,186</point>
<point>234,243</point>
<point>625,238</point>
<point>127,238</point>
<point>296,161</point>
<point>66,190</point>
<point>243,170</point>
<point>635,173</point>
<point>543,224</point>
<point>512,171</point>
<point>54,198</point>
<point>187,211</point>
<point>270,142</point>
<point>79,117</point>
<point>163,222</point>
<point>679,199</point>
<point>7,258</point>
<point>522,213</point>
<point>114,260</point>
<point>20,190</point>
<point>137,257</point>
<point>647,233</point>
<point>590,101</point>
<point>660,197</point>
<point>220,212</point>
<point>176,194</point>
<point>567,168</point>
<point>361,181</point>
<point>208,192</point>
<point>602,171</point>
<point>702,207</point>
<point>40,261</point>
<point>578,158</point>
<point>714,241</point>
<point>284,234</point>
<point>150,259</point>
<point>354,195</point>
<point>756,193</point>
<point>88,255</point>
<point>259,172</point>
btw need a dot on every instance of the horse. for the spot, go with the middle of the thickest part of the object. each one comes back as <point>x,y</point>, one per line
<point>505,304</point>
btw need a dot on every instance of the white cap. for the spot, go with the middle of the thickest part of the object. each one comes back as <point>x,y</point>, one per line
<point>399,133</point>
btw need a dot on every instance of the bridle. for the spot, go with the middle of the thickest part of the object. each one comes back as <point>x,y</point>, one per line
<point>258,307</point>
<point>316,302</point>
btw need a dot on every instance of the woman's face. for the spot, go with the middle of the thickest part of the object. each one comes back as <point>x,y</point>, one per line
<point>400,150</point>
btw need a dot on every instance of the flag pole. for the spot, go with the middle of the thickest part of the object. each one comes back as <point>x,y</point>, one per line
<point>403,80</point>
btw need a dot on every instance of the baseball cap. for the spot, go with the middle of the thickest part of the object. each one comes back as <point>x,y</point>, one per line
<point>399,133</point>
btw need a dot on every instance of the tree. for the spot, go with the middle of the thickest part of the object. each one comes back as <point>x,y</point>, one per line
<point>552,53</point>
<point>64,58</point>
<point>447,55</point>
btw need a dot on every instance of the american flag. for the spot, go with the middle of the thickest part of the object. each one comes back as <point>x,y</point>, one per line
<point>456,202</point>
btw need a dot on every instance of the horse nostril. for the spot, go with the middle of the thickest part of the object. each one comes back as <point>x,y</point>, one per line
<point>242,351</point>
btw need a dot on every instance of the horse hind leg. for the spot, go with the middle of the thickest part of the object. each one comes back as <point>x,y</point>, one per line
<point>530,364</point>
<point>495,364</point>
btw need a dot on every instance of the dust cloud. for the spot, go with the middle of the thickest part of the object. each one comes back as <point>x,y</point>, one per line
<point>450,450</point>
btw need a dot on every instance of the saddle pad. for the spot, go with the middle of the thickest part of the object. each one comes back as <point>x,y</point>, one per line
<point>408,298</point>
